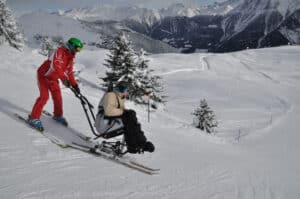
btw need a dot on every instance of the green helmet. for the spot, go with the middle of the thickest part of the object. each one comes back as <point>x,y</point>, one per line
<point>75,44</point>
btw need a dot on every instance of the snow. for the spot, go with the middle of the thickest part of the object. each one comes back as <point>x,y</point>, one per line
<point>254,94</point>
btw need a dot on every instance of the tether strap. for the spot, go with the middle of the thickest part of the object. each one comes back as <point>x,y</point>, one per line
<point>119,106</point>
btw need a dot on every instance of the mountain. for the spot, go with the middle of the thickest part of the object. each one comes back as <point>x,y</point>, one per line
<point>179,9</point>
<point>251,24</point>
<point>200,32</point>
<point>187,28</point>
<point>221,27</point>
<point>107,30</point>
<point>146,15</point>
<point>95,34</point>
<point>142,15</point>
<point>45,24</point>
<point>290,27</point>
<point>261,23</point>
<point>178,25</point>
<point>220,8</point>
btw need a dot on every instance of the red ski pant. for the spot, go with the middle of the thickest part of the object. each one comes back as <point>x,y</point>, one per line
<point>45,86</point>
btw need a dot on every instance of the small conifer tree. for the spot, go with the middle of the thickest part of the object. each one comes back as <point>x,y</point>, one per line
<point>205,117</point>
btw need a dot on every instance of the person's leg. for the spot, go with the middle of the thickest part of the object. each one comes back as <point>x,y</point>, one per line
<point>57,99</point>
<point>58,103</point>
<point>134,136</point>
<point>41,100</point>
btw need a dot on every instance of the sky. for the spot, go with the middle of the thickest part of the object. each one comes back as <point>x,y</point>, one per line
<point>23,6</point>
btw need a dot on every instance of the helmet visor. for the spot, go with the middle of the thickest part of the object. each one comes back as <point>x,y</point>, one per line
<point>121,89</point>
<point>125,90</point>
<point>78,48</point>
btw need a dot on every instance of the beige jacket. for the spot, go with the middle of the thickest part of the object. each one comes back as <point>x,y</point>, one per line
<point>111,105</point>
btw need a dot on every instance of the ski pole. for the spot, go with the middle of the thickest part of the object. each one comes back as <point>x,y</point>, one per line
<point>149,95</point>
<point>149,108</point>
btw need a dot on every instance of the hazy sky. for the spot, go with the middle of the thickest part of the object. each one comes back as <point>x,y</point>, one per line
<point>21,6</point>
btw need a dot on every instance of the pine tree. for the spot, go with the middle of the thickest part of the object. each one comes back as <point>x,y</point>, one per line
<point>205,117</point>
<point>146,82</point>
<point>120,62</point>
<point>124,63</point>
<point>8,28</point>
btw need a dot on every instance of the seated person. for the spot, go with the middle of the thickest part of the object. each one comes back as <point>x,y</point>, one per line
<point>113,118</point>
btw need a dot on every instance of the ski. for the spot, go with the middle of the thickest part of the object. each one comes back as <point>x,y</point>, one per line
<point>108,155</point>
<point>51,137</point>
<point>81,136</point>
<point>117,159</point>
<point>143,166</point>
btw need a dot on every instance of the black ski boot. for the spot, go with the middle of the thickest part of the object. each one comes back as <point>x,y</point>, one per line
<point>149,147</point>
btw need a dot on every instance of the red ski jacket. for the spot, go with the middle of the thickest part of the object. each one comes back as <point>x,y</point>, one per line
<point>59,66</point>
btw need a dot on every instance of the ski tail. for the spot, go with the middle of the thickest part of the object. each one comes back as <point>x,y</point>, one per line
<point>51,137</point>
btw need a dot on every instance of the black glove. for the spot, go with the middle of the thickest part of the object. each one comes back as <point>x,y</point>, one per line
<point>76,88</point>
<point>66,82</point>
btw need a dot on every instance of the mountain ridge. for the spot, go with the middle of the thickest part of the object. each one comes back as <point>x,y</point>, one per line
<point>247,24</point>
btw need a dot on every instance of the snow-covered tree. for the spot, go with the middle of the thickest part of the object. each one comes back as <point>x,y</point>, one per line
<point>205,117</point>
<point>120,62</point>
<point>124,63</point>
<point>145,81</point>
<point>8,28</point>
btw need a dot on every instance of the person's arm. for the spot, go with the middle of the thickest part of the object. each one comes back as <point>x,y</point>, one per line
<point>58,62</point>
<point>72,79</point>
<point>71,75</point>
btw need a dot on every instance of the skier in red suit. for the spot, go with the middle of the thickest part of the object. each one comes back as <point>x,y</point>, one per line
<point>58,66</point>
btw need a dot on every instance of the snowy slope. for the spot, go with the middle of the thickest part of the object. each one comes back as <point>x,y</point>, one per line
<point>254,93</point>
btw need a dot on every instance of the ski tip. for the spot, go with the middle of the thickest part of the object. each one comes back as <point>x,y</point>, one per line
<point>150,172</point>
<point>155,173</point>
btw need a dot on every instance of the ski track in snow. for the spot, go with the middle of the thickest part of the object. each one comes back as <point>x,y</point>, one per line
<point>204,63</point>
<point>182,70</point>
<point>203,66</point>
